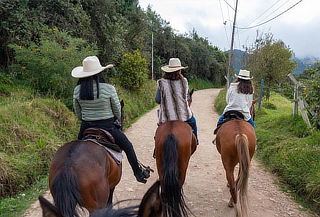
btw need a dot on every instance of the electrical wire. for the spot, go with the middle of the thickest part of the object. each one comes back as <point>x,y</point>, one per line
<point>224,25</point>
<point>250,27</point>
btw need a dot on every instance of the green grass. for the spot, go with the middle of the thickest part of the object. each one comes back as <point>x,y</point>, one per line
<point>16,206</point>
<point>286,147</point>
<point>200,84</point>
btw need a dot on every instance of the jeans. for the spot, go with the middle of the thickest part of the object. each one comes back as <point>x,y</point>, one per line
<point>120,138</point>
<point>250,121</point>
<point>193,123</point>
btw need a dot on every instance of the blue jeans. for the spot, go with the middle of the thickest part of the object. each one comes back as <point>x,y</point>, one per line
<point>250,121</point>
<point>193,123</point>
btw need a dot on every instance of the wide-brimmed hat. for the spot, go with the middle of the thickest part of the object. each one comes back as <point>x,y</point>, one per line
<point>90,66</point>
<point>244,74</point>
<point>174,65</point>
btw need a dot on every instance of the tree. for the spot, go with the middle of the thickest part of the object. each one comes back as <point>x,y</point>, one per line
<point>271,60</point>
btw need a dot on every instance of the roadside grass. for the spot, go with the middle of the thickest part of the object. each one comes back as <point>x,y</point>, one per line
<point>288,148</point>
<point>16,206</point>
<point>200,84</point>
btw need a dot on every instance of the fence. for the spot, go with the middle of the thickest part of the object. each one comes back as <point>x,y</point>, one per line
<point>299,101</point>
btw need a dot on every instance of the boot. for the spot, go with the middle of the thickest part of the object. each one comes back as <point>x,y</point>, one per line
<point>142,175</point>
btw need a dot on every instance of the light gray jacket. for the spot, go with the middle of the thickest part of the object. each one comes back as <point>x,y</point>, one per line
<point>105,107</point>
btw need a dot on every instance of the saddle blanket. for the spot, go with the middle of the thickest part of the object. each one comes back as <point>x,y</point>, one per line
<point>117,156</point>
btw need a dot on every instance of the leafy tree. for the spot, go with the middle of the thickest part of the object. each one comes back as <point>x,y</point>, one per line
<point>270,59</point>
<point>133,71</point>
<point>46,66</point>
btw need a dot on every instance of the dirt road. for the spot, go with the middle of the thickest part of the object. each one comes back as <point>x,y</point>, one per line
<point>205,187</point>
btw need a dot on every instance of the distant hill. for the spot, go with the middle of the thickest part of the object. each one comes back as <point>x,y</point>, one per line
<point>302,63</point>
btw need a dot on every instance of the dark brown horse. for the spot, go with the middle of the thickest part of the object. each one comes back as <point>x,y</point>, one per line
<point>82,173</point>
<point>150,206</point>
<point>236,142</point>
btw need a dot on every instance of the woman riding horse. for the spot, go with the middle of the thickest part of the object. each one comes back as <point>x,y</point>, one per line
<point>83,172</point>
<point>97,105</point>
<point>236,140</point>
<point>175,140</point>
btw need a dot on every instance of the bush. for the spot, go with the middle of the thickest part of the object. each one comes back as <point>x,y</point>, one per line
<point>311,93</point>
<point>132,71</point>
<point>46,66</point>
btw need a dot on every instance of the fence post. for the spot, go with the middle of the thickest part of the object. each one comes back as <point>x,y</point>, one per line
<point>295,98</point>
<point>260,93</point>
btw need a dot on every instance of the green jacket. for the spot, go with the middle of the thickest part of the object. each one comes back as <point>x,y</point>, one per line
<point>105,107</point>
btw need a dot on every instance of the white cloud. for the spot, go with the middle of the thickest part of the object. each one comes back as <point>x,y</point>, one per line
<point>293,27</point>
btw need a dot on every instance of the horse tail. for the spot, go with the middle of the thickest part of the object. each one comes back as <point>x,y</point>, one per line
<point>65,190</point>
<point>242,145</point>
<point>171,190</point>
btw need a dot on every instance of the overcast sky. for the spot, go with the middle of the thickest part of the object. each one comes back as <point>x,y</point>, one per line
<point>299,28</point>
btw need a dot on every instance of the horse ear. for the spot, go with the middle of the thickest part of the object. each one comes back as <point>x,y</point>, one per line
<point>191,92</point>
<point>48,210</point>
<point>122,103</point>
<point>151,205</point>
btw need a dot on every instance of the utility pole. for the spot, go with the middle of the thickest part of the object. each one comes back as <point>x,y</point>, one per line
<point>152,55</point>
<point>231,49</point>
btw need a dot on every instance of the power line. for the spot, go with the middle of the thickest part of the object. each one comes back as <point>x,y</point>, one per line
<point>250,27</point>
<point>228,4</point>
<point>224,23</point>
<point>276,10</point>
<point>265,11</point>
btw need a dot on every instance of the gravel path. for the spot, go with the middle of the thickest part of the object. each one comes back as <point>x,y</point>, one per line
<point>205,186</point>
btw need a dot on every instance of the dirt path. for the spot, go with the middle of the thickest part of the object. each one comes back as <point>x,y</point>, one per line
<point>205,187</point>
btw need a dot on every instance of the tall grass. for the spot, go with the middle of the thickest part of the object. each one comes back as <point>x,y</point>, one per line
<point>288,148</point>
<point>200,84</point>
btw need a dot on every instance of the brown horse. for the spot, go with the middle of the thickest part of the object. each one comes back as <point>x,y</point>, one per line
<point>83,173</point>
<point>236,142</point>
<point>150,206</point>
<point>174,145</point>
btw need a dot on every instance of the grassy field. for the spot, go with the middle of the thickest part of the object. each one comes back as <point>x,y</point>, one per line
<point>288,148</point>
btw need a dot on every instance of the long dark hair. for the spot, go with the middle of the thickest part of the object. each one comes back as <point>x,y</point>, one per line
<point>173,75</point>
<point>86,86</point>
<point>245,86</point>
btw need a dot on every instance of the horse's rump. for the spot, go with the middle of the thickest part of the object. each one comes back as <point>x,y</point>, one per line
<point>82,168</point>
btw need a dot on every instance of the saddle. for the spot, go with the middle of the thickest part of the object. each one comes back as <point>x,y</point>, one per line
<point>103,137</point>
<point>228,116</point>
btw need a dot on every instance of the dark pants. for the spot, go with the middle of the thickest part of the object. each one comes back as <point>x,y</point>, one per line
<point>118,135</point>
<point>220,120</point>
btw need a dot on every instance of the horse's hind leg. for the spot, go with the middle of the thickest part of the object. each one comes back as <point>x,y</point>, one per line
<point>232,186</point>
<point>110,197</point>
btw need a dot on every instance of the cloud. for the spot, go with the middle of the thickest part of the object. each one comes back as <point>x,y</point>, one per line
<point>207,18</point>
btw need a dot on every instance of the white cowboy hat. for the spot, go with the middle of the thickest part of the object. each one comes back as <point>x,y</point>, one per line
<point>244,74</point>
<point>91,66</point>
<point>174,65</point>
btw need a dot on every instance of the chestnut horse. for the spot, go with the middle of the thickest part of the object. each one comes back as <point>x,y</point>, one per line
<point>150,206</point>
<point>174,145</point>
<point>236,142</point>
<point>83,173</point>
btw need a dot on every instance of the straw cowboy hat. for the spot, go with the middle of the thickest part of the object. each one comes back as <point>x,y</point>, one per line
<point>174,65</point>
<point>91,66</point>
<point>244,74</point>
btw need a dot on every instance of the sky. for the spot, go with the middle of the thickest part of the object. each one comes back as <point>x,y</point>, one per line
<point>299,28</point>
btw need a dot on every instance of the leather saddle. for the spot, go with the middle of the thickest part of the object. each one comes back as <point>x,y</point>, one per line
<point>228,116</point>
<point>101,136</point>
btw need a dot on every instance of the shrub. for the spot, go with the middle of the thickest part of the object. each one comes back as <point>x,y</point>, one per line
<point>46,66</point>
<point>132,71</point>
